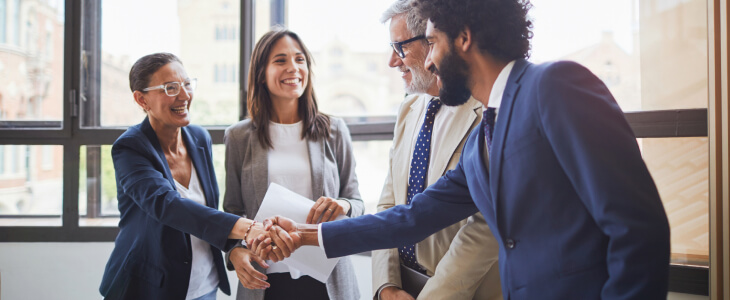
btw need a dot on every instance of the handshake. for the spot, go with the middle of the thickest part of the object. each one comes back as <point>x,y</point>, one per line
<point>277,238</point>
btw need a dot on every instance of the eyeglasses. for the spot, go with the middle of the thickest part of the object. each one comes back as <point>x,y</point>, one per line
<point>173,88</point>
<point>398,46</point>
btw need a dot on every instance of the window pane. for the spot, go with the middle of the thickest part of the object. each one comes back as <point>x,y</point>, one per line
<point>203,34</point>
<point>31,181</point>
<point>31,63</point>
<point>107,211</point>
<point>97,185</point>
<point>679,167</point>
<point>627,43</point>
<point>351,52</point>
<point>371,159</point>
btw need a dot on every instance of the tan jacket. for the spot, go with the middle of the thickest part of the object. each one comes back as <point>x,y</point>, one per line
<point>462,258</point>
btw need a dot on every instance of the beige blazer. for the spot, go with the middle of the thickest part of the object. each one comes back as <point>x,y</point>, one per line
<point>462,258</point>
<point>333,175</point>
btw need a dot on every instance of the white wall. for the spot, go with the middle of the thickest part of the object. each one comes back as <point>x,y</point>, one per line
<point>73,271</point>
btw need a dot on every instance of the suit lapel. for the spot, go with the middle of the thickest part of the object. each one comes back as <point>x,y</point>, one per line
<point>259,171</point>
<point>457,127</point>
<point>502,125</point>
<point>409,130</point>
<point>148,131</point>
<point>316,161</point>
<point>197,155</point>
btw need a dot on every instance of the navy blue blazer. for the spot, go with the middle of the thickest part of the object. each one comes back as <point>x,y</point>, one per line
<point>569,198</point>
<point>152,254</point>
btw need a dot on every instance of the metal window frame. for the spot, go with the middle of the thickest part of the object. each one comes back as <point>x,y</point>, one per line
<point>69,134</point>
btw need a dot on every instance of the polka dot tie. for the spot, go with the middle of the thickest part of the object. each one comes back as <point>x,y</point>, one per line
<point>488,122</point>
<point>417,178</point>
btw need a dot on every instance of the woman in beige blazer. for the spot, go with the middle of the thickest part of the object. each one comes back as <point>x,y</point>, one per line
<point>288,141</point>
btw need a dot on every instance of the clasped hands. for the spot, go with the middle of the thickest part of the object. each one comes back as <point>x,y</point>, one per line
<point>276,239</point>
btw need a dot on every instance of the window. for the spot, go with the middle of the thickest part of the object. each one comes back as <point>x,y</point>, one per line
<point>3,20</point>
<point>56,174</point>
<point>32,92</point>
<point>2,160</point>
<point>15,22</point>
<point>127,39</point>
<point>628,46</point>
<point>31,185</point>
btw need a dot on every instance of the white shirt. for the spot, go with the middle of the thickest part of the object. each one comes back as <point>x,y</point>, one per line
<point>203,275</point>
<point>495,100</point>
<point>500,84</point>
<point>289,166</point>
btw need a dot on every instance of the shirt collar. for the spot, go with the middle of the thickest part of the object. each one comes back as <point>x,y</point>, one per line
<point>495,97</point>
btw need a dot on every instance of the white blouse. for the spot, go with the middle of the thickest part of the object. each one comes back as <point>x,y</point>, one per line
<point>203,275</point>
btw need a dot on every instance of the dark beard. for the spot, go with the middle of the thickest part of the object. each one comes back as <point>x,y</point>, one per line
<point>453,76</point>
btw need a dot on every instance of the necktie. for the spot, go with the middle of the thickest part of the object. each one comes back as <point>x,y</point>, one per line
<point>488,122</point>
<point>418,172</point>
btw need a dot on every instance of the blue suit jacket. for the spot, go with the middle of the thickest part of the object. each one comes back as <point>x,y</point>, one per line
<point>152,254</point>
<point>569,198</point>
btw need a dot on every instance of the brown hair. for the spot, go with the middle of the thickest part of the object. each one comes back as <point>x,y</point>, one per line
<point>142,70</point>
<point>316,125</point>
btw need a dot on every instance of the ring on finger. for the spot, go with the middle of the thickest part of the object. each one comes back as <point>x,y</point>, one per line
<point>274,247</point>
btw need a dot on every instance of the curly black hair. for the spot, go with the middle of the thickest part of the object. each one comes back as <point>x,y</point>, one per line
<point>499,27</point>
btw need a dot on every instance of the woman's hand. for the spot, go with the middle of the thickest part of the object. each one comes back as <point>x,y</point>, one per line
<point>241,259</point>
<point>276,243</point>
<point>327,209</point>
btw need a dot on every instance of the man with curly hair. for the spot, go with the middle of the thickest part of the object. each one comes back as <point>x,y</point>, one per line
<point>555,168</point>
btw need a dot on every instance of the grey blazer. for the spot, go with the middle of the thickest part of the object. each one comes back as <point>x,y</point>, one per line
<point>333,175</point>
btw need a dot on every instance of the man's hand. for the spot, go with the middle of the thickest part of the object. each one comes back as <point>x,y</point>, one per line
<point>300,234</point>
<point>241,259</point>
<point>394,293</point>
<point>271,241</point>
<point>327,209</point>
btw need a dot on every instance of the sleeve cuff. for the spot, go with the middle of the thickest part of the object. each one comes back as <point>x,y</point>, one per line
<point>377,295</point>
<point>349,211</point>
<point>319,237</point>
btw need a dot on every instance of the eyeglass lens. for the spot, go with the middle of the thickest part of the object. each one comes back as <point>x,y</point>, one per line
<point>173,88</point>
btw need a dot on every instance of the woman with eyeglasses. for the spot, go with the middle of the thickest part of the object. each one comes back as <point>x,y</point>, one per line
<point>170,231</point>
<point>287,141</point>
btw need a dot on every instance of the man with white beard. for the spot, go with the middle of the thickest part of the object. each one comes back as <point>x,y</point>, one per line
<point>454,256</point>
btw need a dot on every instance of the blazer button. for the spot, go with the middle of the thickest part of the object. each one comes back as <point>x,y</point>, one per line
<point>186,262</point>
<point>510,244</point>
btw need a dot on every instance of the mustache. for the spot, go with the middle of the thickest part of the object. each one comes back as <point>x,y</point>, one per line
<point>433,70</point>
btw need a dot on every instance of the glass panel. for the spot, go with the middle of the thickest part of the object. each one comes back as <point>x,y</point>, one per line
<point>97,181</point>
<point>371,158</point>
<point>108,211</point>
<point>679,167</point>
<point>31,180</point>
<point>204,34</point>
<point>31,63</point>
<point>351,53</point>
<point>628,45</point>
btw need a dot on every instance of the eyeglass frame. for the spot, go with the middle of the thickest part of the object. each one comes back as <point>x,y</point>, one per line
<point>398,46</point>
<point>192,81</point>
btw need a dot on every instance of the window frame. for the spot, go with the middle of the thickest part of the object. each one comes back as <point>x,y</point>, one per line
<point>71,136</point>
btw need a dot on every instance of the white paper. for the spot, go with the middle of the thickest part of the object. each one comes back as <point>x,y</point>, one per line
<point>309,260</point>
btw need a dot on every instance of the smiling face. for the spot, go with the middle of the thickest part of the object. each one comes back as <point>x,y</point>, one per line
<point>415,76</point>
<point>166,111</point>
<point>450,69</point>
<point>286,73</point>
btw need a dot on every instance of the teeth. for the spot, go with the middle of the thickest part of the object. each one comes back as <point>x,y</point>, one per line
<point>179,109</point>
<point>291,81</point>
